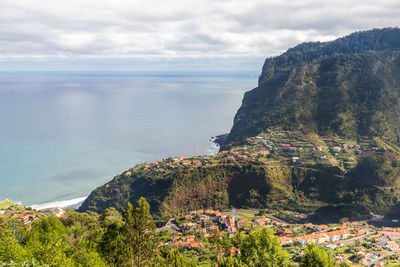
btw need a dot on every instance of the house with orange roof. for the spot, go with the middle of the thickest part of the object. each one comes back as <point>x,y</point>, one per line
<point>234,250</point>
<point>323,228</point>
<point>196,245</point>
<point>203,230</point>
<point>285,232</point>
<point>209,212</point>
<point>185,162</point>
<point>213,227</point>
<point>262,221</point>
<point>187,216</point>
<point>285,240</point>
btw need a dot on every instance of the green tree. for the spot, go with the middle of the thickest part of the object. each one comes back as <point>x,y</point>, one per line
<point>172,257</point>
<point>261,248</point>
<point>10,249</point>
<point>139,233</point>
<point>230,261</point>
<point>47,241</point>
<point>316,257</point>
<point>112,245</point>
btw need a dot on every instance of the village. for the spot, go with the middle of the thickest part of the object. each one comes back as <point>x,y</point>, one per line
<point>208,231</point>
<point>356,243</point>
<point>277,148</point>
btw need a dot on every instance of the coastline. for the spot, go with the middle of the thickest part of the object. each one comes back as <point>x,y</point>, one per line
<point>74,203</point>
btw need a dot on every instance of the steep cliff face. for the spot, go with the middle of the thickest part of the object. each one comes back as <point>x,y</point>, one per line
<point>220,186</point>
<point>349,87</point>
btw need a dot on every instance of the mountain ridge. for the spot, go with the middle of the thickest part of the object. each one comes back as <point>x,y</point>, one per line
<point>343,87</point>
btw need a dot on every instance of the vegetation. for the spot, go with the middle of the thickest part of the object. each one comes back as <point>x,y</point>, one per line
<point>347,87</point>
<point>316,257</point>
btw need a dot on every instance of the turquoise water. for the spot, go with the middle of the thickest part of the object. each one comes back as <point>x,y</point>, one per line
<point>63,134</point>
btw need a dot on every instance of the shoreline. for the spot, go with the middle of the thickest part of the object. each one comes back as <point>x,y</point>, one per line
<point>74,204</point>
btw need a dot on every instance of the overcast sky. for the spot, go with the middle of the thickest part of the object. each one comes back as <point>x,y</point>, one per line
<point>177,34</point>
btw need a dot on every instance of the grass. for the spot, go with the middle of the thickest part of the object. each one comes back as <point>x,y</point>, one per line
<point>5,204</point>
<point>248,215</point>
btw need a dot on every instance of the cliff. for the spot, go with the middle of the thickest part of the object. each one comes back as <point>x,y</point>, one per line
<point>349,87</point>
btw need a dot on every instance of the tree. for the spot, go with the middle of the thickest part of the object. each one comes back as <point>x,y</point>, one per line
<point>47,241</point>
<point>316,257</point>
<point>112,245</point>
<point>172,257</point>
<point>10,249</point>
<point>261,248</point>
<point>230,262</point>
<point>138,230</point>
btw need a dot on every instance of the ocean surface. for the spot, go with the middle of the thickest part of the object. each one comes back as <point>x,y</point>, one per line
<point>64,134</point>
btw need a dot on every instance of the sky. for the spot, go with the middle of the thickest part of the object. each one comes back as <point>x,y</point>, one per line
<point>173,34</point>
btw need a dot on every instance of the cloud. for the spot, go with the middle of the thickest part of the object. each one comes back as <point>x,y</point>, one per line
<point>177,28</point>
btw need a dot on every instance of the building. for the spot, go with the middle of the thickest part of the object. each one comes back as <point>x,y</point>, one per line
<point>262,221</point>
<point>316,238</point>
<point>392,246</point>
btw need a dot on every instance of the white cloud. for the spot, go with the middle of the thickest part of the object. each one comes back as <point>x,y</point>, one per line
<point>178,28</point>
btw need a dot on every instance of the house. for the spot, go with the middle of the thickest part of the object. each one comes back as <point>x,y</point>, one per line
<point>285,240</point>
<point>337,235</point>
<point>196,245</point>
<point>391,235</point>
<point>197,163</point>
<point>209,212</point>
<point>185,162</point>
<point>285,232</point>
<point>188,225</point>
<point>263,153</point>
<point>336,149</point>
<point>213,227</point>
<point>295,159</point>
<point>291,149</point>
<point>316,238</point>
<point>392,246</point>
<point>234,250</point>
<point>188,217</point>
<point>308,225</point>
<point>262,221</point>
<point>323,228</point>
<point>27,218</point>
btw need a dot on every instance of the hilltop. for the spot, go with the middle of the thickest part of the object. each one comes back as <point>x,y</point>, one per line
<point>347,87</point>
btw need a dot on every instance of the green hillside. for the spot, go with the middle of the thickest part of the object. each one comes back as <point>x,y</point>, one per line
<point>349,87</point>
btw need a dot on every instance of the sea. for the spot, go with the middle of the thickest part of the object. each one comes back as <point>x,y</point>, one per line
<point>62,134</point>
